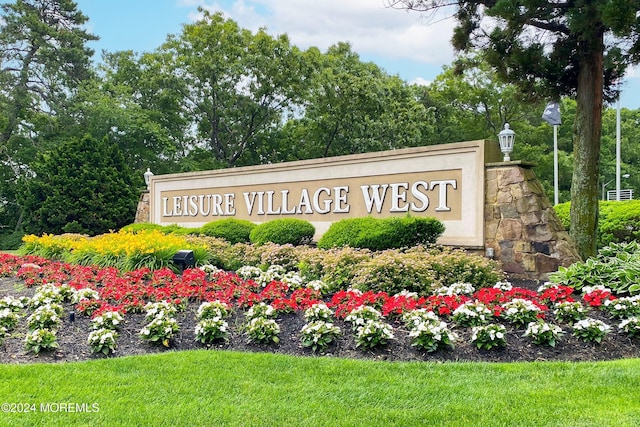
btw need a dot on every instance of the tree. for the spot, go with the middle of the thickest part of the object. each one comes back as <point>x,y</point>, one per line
<point>135,106</point>
<point>42,60</point>
<point>553,49</point>
<point>354,107</point>
<point>81,186</point>
<point>473,104</point>
<point>237,85</point>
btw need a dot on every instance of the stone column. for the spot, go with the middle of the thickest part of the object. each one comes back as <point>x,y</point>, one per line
<point>142,213</point>
<point>521,226</point>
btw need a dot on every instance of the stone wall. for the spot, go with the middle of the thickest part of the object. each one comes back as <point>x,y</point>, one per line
<point>142,213</point>
<point>520,224</point>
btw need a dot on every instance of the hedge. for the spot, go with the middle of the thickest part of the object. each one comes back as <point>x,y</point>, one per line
<point>617,221</point>
<point>381,234</point>
<point>282,231</point>
<point>231,229</point>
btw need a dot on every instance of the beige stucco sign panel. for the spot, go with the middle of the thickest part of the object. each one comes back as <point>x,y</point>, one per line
<point>442,181</point>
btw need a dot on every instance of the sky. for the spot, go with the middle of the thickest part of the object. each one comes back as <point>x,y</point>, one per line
<point>408,44</point>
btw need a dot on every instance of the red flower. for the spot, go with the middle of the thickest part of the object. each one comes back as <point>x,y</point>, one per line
<point>445,304</point>
<point>557,293</point>
<point>597,297</point>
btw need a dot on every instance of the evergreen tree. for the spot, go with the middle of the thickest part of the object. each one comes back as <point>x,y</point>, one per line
<point>81,186</point>
<point>43,58</point>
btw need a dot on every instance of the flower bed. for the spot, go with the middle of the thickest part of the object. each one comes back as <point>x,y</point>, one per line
<point>161,309</point>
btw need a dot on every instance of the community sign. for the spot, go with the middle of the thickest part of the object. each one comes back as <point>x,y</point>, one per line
<point>442,181</point>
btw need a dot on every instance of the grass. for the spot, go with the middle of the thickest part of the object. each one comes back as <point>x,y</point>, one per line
<point>237,389</point>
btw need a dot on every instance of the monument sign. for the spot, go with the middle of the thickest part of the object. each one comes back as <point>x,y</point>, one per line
<point>441,181</point>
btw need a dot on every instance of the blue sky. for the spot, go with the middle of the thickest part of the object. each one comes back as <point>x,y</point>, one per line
<point>402,43</point>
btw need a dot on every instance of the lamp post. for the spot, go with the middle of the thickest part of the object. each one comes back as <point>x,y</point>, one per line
<point>626,175</point>
<point>147,177</point>
<point>506,138</point>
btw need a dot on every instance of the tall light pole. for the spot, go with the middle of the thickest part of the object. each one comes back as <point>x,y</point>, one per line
<point>556,190</point>
<point>618,147</point>
<point>551,115</point>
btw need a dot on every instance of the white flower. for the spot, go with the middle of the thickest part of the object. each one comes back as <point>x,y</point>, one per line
<point>210,269</point>
<point>213,309</point>
<point>85,294</point>
<point>590,323</point>
<point>546,285</point>
<point>249,272</point>
<point>407,294</point>
<point>362,314</point>
<point>317,285</point>
<point>318,311</point>
<point>261,310</point>
<point>293,278</point>
<point>455,289</point>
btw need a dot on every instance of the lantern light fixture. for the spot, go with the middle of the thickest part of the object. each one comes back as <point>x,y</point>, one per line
<point>147,177</point>
<point>506,138</point>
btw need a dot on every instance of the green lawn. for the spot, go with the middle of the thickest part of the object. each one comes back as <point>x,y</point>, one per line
<point>198,388</point>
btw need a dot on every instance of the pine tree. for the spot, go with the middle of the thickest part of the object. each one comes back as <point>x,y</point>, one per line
<point>81,186</point>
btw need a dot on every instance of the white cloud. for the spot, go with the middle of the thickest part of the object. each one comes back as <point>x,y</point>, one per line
<point>419,81</point>
<point>633,72</point>
<point>369,26</point>
<point>411,44</point>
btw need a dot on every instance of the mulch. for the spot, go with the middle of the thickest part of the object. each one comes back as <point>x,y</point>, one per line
<point>73,346</point>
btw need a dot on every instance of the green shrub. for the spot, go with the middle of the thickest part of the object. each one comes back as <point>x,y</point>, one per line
<point>392,271</point>
<point>563,211</point>
<point>231,229</point>
<point>81,185</point>
<point>182,231</point>
<point>617,221</point>
<point>282,231</point>
<point>381,234</point>
<point>274,254</point>
<point>346,232</point>
<point>336,266</point>
<point>414,231</point>
<point>419,270</point>
<point>457,266</point>
<point>10,241</point>
<point>216,248</point>
<point>235,256</point>
<point>166,229</point>
<point>616,267</point>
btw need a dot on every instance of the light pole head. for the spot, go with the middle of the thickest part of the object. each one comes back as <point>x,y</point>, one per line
<point>506,138</point>
<point>147,177</point>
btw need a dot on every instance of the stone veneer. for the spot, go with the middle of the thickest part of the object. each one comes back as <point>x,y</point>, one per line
<point>142,213</point>
<point>520,224</point>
